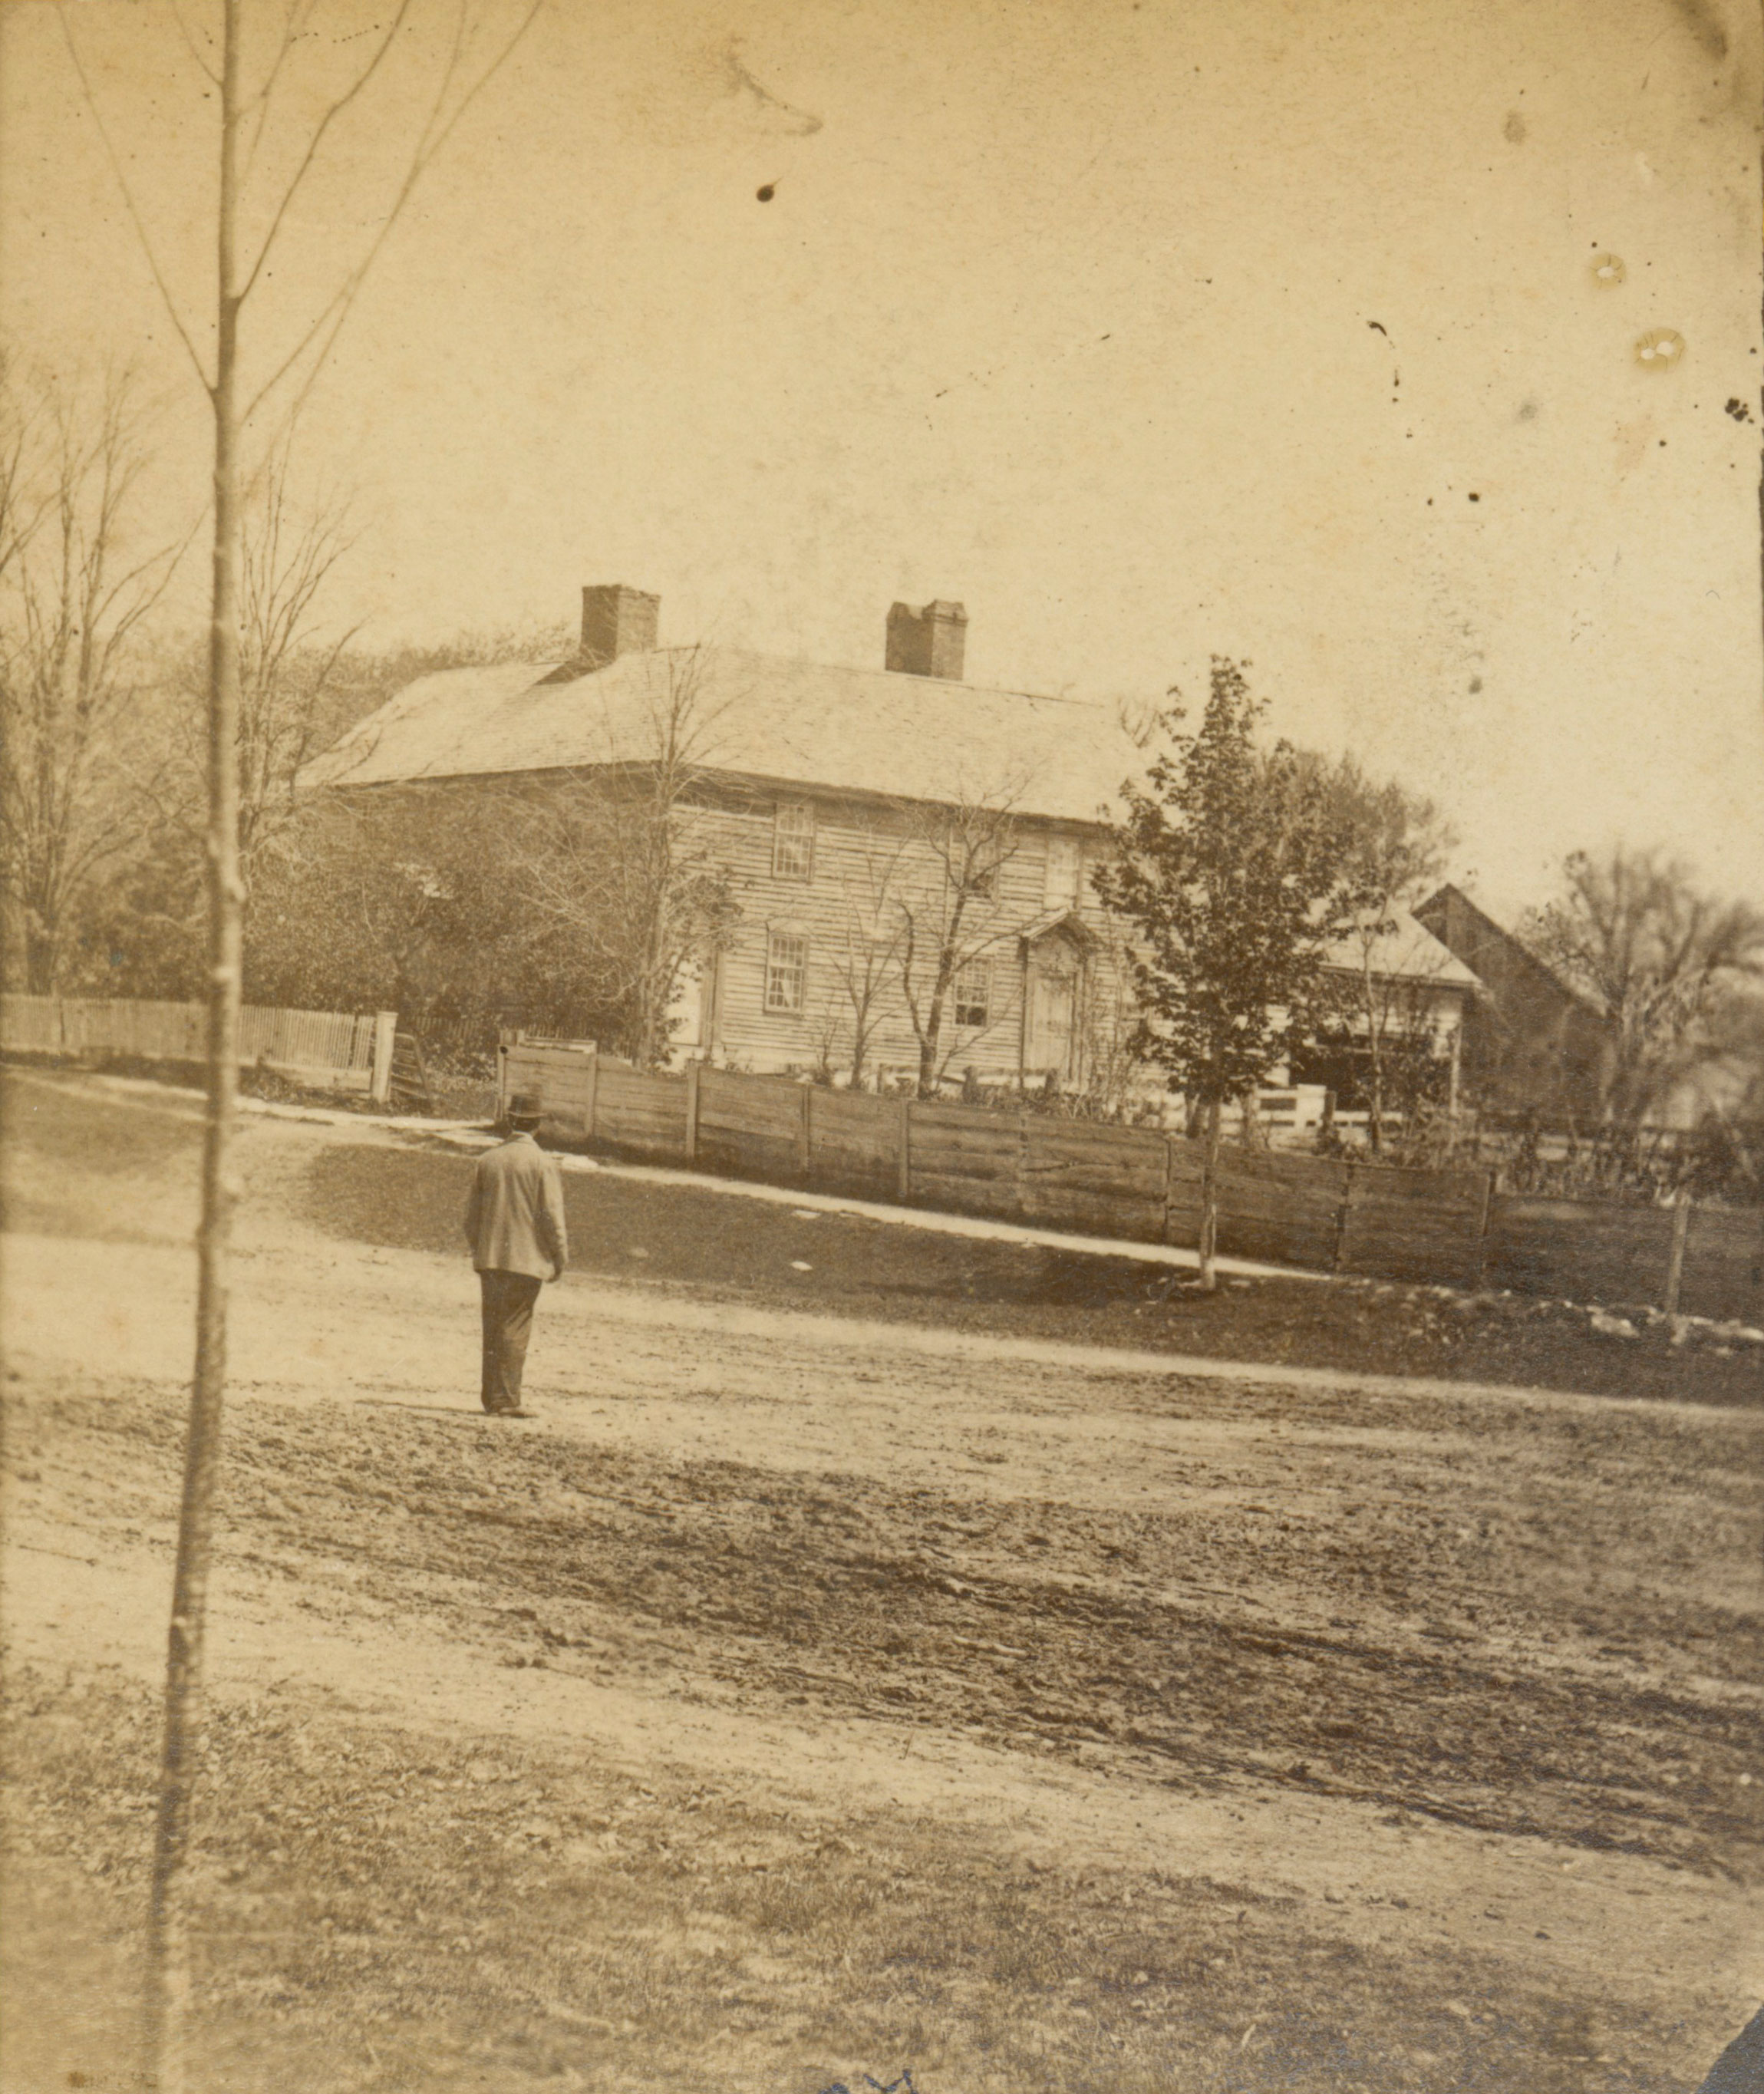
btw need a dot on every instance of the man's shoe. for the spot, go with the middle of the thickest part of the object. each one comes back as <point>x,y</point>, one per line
<point>513,1410</point>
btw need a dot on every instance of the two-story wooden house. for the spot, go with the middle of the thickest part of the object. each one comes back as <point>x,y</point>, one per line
<point>872,822</point>
<point>851,808</point>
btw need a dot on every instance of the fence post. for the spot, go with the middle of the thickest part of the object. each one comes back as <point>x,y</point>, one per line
<point>1482,1211</point>
<point>692,1110</point>
<point>593,1095</point>
<point>1674,1265</point>
<point>385,1033</point>
<point>1169,1182</point>
<point>1340,1251</point>
<point>903,1189</point>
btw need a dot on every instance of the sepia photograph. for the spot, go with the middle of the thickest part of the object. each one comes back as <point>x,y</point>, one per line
<point>882,1045</point>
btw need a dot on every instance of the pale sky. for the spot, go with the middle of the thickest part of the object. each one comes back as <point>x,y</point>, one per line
<point>1063,310</point>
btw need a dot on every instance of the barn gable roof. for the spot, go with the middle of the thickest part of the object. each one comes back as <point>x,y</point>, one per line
<point>1436,914</point>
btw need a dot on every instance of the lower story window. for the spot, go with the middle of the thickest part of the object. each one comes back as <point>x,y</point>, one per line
<point>974,994</point>
<point>787,966</point>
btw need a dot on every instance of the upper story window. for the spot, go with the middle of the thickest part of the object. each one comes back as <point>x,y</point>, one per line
<point>1065,872</point>
<point>793,840</point>
<point>786,970</point>
<point>974,994</point>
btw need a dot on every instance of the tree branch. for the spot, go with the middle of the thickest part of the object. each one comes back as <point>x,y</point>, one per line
<point>128,200</point>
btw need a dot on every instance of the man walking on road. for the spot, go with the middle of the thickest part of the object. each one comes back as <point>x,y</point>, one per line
<point>514,1225</point>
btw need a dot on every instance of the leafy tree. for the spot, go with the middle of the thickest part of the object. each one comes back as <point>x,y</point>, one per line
<point>1663,960</point>
<point>390,900</point>
<point>1229,870</point>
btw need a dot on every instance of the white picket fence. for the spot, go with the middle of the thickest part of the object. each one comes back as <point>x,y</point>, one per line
<point>324,1049</point>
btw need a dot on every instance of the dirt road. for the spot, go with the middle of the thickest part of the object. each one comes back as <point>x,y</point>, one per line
<point>806,1696</point>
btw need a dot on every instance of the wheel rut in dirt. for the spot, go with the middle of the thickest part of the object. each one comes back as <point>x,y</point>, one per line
<point>725,1580</point>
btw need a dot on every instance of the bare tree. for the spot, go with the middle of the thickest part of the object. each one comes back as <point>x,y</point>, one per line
<point>75,586</point>
<point>287,660</point>
<point>1105,1023</point>
<point>858,963</point>
<point>292,666</point>
<point>1632,931</point>
<point>622,859</point>
<point>274,125</point>
<point>1395,846</point>
<point>946,900</point>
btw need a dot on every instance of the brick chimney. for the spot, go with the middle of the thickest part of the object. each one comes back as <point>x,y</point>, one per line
<point>615,621</point>
<point>927,642</point>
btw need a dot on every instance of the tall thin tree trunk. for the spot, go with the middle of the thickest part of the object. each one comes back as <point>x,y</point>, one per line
<point>1374,1119</point>
<point>168,1972</point>
<point>1209,1193</point>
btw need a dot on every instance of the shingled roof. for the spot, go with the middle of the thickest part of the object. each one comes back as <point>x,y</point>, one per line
<point>1408,952</point>
<point>767,718</point>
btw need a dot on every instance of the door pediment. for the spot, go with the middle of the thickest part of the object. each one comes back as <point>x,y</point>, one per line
<point>1058,924</point>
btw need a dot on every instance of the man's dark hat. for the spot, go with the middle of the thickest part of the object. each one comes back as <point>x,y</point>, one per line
<point>524,1105</point>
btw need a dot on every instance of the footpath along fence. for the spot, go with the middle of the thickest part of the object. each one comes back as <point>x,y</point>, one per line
<point>322,1050</point>
<point>1449,1228</point>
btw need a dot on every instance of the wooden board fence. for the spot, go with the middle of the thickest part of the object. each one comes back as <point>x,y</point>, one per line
<point>1442,1227</point>
<point>855,1142</point>
<point>1581,1250</point>
<point>1100,1181</point>
<point>330,1050</point>
<point>750,1126</point>
<point>641,1111</point>
<point>1724,1265</point>
<point>1283,1208</point>
<point>1415,1225</point>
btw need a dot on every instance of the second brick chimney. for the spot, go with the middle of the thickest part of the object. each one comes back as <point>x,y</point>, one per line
<point>615,621</point>
<point>929,642</point>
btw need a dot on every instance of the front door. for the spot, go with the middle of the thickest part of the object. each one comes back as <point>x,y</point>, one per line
<point>1051,997</point>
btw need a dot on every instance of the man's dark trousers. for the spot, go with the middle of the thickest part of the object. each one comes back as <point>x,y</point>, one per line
<point>508,1322</point>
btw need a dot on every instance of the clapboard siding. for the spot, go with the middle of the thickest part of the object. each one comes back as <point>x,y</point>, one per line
<point>1439,1227</point>
<point>864,856</point>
